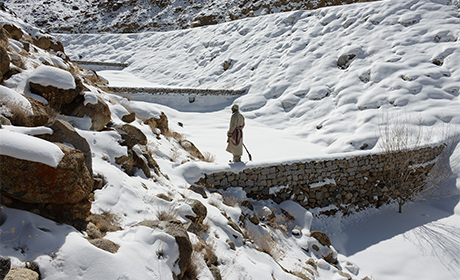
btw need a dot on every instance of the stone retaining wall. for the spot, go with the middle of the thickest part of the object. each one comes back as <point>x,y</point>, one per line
<point>348,183</point>
<point>182,91</point>
<point>115,64</point>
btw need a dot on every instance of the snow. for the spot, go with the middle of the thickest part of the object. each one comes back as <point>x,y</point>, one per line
<point>326,181</point>
<point>29,148</point>
<point>288,63</point>
<point>12,100</point>
<point>52,76</point>
<point>299,106</point>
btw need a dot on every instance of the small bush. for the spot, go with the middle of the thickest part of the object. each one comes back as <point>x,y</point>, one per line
<point>208,157</point>
<point>229,200</point>
<point>105,222</point>
<point>264,242</point>
<point>398,137</point>
<point>167,213</point>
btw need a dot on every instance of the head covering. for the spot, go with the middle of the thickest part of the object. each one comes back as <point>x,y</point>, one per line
<point>235,108</point>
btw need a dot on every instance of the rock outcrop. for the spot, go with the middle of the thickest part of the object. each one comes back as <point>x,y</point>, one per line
<point>99,112</point>
<point>64,132</point>
<point>61,193</point>
<point>105,244</point>
<point>67,96</point>
<point>4,57</point>
<point>56,94</point>
<point>22,273</point>
<point>35,182</point>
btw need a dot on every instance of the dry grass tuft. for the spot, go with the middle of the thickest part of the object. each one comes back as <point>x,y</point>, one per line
<point>15,112</point>
<point>105,222</point>
<point>167,213</point>
<point>229,200</point>
<point>264,242</point>
<point>281,221</point>
<point>208,157</point>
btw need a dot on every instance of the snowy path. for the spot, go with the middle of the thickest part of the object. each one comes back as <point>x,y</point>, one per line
<point>208,130</point>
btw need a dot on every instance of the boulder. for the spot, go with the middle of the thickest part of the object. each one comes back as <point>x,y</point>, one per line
<point>191,149</point>
<point>37,115</point>
<point>197,226</point>
<point>41,114</point>
<point>99,113</point>
<point>4,62</point>
<point>64,132</point>
<point>344,60</point>
<point>331,258</point>
<point>215,271</point>
<point>56,96</point>
<point>199,190</point>
<point>14,31</point>
<point>160,123</point>
<point>4,38</point>
<point>200,212</point>
<point>5,266</point>
<point>47,42</point>
<point>131,135</point>
<point>21,273</point>
<point>133,160</point>
<point>105,244</point>
<point>35,182</point>
<point>138,157</point>
<point>72,214</point>
<point>321,237</point>
<point>130,117</point>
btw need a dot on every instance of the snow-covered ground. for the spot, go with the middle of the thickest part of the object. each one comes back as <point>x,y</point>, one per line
<point>299,105</point>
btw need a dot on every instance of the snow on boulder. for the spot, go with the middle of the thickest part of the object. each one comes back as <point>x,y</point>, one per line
<point>33,170</point>
<point>13,101</point>
<point>29,148</point>
<point>55,85</point>
<point>52,76</point>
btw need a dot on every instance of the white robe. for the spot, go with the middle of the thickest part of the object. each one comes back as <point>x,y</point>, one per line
<point>236,120</point>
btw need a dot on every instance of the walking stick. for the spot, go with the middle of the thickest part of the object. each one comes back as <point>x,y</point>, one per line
<point>250,157</point>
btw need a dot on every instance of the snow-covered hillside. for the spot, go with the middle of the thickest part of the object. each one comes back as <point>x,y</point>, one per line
<point>317,84</point>
<point>401,55</point>
<point>128,16</point>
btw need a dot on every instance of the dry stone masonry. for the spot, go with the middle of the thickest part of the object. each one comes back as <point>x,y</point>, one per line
<point>348,183</point>
<point>184,91</point>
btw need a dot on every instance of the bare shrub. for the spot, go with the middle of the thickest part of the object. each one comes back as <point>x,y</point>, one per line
<point>264,242</point>
<point>206,251</point>
<point>17,238</point>
<point>105,222</point>
<point>208,157</point>
<point>416,182</point>
<point>229,200</point>
<point>167,212</point>
<point>175,154</point>
<point>279,221</point>
<point>15,112</point>
<point>193,269</point>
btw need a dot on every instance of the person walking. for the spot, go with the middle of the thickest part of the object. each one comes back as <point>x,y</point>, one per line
<point>235,134</point>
